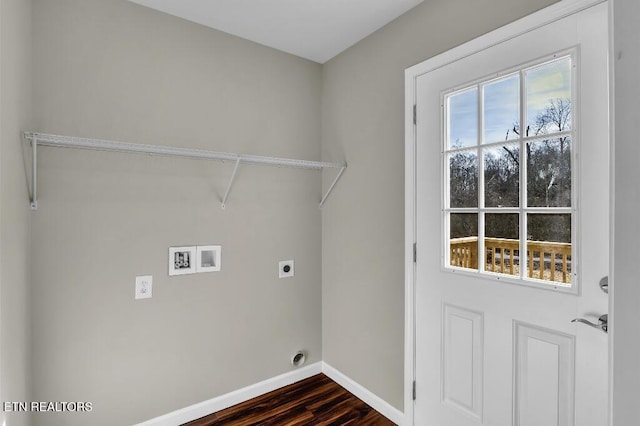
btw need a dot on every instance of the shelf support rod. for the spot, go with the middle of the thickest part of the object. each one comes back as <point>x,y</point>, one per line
<point>34,173</point>
<point>332,185</point>
<point>233,176</point>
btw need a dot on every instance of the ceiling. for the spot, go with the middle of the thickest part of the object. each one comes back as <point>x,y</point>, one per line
<point>313,29</point>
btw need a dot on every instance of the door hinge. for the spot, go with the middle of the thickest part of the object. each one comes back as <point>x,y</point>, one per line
<point>415,114</point>
<point>414,390</point>
<point>415,252</point>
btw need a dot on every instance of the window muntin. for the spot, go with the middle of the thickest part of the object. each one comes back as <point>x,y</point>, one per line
<point>549,172</point>
<point>502,175</point>
<point>501,101</point>
<point>508,207</point>
<point>462,118</point>
<point>463,237</point>
<point>502,243</point>
<point>548,87</point>
<point>463,180</point>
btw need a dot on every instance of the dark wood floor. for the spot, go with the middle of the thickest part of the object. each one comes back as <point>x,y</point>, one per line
<point>315,401</point>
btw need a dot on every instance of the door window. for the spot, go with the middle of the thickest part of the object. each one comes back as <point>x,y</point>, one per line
<point>509,208</point>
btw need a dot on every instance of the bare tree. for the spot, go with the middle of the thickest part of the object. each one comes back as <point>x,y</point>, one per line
<point>548,161</point>
<point>556,117</point>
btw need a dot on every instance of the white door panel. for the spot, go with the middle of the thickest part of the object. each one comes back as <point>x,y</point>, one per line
<point>494,352</point>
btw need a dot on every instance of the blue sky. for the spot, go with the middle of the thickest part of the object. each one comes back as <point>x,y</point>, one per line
<point>501,103</point>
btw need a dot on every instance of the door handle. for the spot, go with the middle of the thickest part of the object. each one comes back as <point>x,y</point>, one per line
<point>602,322</point>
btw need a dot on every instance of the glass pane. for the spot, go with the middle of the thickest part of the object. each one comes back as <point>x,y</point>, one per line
<point>502,243</point>
<point>462,114</point>
<point>549,98</point>
<point>463,240</point>
<point>549,247</point>
<point>502,109</point>
<point>502,176</point>
<point>549,173</point>
<point>463,179</point>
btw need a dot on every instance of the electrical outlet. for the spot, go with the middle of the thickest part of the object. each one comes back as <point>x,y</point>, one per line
<point>285,269</point>
<point>144,287</point>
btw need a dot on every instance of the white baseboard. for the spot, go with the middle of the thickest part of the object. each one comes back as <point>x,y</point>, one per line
<point>371,399</point>
<point>230,399</point>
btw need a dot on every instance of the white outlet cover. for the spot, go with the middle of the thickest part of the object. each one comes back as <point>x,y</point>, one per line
<point>144,287</point>
<point>208,258</point>
<point>282,266</point>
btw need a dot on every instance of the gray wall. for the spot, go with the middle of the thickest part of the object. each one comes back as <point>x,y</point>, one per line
<point>626,292</point>
<point>111,69</point>
<point>15,214</point>
<point>363,225</point>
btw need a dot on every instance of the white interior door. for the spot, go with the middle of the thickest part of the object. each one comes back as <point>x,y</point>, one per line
<point>494,302</point>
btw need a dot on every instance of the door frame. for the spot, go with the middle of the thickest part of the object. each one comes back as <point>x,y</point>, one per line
<point>531,22</point>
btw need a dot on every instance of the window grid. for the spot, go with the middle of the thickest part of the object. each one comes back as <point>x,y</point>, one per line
<point>523,210</point>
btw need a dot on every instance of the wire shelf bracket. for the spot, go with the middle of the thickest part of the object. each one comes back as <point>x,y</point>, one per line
<point>43,139</point>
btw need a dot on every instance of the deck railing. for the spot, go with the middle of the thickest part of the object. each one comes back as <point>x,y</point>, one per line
<point>545,260</point>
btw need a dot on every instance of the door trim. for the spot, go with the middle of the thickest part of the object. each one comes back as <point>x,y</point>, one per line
<point>529,23</point>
